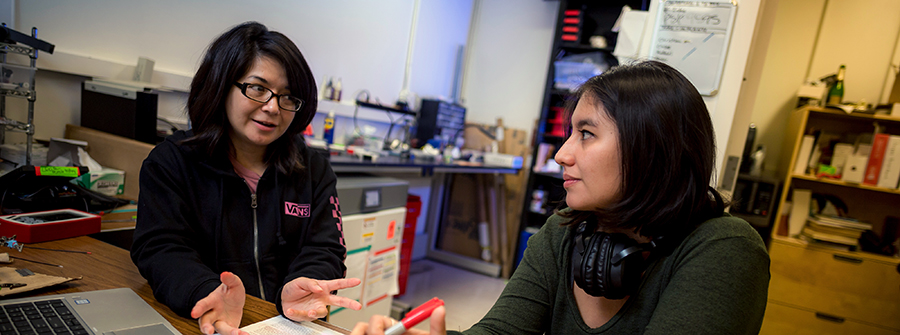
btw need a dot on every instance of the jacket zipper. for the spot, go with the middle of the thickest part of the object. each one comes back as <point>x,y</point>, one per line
<point>262,291</point>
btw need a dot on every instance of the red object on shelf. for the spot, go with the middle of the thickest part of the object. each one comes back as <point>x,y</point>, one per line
<point>569,37</point>
<point>572,12</point>
<point>570,29</point>
<point>557,130</point>
<point>413,208</point>
<point>58,224</point>
<point>876,157</point>
<point>571,20</point>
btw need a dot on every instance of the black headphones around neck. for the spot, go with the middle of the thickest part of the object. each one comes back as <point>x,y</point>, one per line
<point>608,265</point>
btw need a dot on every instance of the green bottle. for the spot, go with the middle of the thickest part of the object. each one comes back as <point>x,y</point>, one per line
<point>836,94</point>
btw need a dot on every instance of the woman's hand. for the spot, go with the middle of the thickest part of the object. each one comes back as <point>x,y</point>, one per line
<point>221,310</point>
<point>378,323</point>
<point>304,299</point>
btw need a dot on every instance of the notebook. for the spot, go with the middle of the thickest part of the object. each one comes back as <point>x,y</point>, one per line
<point>106,312</point>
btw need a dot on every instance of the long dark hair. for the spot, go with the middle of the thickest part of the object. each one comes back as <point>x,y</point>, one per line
<point>667,147</point>
<point>228,58</point>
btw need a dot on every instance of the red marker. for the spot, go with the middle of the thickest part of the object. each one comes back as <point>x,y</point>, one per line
<point>415,316</point>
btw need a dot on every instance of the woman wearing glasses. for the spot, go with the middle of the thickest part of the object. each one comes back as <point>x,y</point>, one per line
<point>239,203</point>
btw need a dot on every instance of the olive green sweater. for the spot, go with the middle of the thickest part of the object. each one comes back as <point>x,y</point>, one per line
<point>714,282</point>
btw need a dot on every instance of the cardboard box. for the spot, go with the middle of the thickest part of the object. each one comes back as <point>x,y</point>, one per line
<point>110,182</point>
<point>114,152</point>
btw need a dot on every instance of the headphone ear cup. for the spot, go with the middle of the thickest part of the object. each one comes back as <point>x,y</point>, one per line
<point>589,263</point>
<point>624,277</point>
<point>597,274</point>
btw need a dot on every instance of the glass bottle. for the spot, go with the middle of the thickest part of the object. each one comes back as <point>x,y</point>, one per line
<point>836,93</point>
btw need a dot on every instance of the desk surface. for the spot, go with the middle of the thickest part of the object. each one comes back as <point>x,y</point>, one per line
<point>110,267</point>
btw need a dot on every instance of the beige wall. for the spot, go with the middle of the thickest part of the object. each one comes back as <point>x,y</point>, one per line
<point>810,39</point>
<point>862,35</point>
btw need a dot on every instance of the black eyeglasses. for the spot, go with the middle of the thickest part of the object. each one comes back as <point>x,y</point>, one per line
<point>263,94</point>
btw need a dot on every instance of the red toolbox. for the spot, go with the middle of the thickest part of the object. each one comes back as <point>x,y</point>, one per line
<point>49,225</point>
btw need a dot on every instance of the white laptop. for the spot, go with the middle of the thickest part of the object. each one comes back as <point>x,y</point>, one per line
<point>106,312</point>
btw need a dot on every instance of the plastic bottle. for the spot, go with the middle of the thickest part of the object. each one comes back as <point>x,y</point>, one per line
<point>323,91</point>
<point>328,134</point>
<point>336,90</point>
<point>329,90</point>
<point>759,158</point>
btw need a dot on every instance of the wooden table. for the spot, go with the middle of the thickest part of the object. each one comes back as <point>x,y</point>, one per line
<point>110,267</point>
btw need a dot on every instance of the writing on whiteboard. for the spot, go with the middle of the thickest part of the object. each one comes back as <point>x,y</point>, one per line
<point>680,16</point>
<point>692,36</point>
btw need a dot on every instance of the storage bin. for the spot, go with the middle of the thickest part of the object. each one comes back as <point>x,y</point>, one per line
<point>15,77</point>
<point>569,75</point>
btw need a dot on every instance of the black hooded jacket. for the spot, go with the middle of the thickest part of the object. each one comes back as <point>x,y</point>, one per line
<point>196,217</point>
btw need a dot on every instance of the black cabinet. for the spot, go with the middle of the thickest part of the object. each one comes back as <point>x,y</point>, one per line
<point>755,199</point>
<point>579,23</point>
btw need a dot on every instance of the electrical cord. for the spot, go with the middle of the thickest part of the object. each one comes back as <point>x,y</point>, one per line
<point>356,129</point>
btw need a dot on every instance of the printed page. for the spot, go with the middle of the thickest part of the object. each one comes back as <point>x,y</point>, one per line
<point>280,325</point>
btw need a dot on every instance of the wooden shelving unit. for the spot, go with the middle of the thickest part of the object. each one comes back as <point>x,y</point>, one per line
<point>817,289</point>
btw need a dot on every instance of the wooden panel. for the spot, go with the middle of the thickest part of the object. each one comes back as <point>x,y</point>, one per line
<point>115,152</point>
<point>848,285</point>
<point>781,319</point>
<point>791,145</point>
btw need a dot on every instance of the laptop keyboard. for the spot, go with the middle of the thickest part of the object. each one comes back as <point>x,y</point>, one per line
<point>39,317</point>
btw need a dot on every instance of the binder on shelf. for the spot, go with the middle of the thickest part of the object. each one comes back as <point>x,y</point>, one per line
<point>823,145</point>
<point>806,147</point>
<point>840,155</point>
<point>876,158</point>
<point>890,168</point>
<point>799,211</point>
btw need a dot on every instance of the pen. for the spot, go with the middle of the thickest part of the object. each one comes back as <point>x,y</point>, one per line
<point>415,316</point>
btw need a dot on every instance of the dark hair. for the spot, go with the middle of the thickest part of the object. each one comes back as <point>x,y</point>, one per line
<point>228,58</point>
<point>667,148</point>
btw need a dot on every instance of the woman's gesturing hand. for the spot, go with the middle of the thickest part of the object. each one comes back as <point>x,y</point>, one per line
<point>221,310</point>
<point>304,299</point>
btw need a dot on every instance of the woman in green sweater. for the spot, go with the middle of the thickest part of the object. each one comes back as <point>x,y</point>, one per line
<point>644,245</point>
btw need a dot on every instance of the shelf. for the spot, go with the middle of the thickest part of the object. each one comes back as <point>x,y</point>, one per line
<point>384,108</point>
<point>16,48</point>
<point>26,94</point>
<point>854,116</point>
<point>537,220</point>
<point>583,47</point>
<point>846,184</point>
<point>555,121</point>
<point>557,91</point>
<point>557,175</point>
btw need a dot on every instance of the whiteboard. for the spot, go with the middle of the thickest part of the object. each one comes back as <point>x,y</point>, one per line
<point>693,36</point>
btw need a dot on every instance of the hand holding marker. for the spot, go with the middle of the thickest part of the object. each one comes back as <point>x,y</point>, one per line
<point>415,316</point>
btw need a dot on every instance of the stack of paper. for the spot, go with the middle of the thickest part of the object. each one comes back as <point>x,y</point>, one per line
<point>834,230</point>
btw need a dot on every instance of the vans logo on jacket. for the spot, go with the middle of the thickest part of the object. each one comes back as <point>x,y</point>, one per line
<point>298,210</point>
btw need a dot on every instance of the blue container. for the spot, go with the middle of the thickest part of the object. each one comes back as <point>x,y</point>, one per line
<point>523,242</point>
